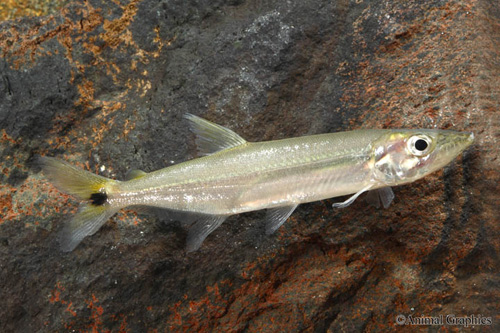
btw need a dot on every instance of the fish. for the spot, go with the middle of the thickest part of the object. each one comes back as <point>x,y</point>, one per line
<point>234,176</point>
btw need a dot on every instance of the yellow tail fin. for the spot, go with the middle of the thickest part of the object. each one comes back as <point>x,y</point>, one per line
<point>91,188</point>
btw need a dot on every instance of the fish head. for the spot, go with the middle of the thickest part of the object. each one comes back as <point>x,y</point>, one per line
<point>403,156</point>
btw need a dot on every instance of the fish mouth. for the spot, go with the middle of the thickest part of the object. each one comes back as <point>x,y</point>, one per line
<point>450,145</point>
<point>471,138</point>
<point>456,142</point>
<point>466,139</point>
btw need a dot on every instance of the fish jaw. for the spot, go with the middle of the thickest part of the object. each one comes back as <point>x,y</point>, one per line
<point>450,144</point>
<point>404,156</point>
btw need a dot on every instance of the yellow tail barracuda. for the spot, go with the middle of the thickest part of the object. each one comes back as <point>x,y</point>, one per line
<point>237,176</point>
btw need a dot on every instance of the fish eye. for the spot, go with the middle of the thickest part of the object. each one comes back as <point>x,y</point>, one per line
<point>419,145</point>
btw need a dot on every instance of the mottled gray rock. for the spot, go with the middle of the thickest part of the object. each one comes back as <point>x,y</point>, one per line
<point>105,87</point>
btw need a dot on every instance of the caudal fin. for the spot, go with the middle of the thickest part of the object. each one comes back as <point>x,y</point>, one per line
<point>85,223</point>
<point>91,188</point>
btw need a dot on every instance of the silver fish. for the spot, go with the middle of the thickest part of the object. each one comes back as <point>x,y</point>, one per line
<point>238,176</point>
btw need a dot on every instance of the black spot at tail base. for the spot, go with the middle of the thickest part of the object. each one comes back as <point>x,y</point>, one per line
<point>98,199</point>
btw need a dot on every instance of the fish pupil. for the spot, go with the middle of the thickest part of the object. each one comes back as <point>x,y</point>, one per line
<point>421,145</point>
<point>98,199</point>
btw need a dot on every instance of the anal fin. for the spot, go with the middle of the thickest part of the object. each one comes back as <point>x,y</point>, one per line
<point>275,217</point>
<point>201,229</point>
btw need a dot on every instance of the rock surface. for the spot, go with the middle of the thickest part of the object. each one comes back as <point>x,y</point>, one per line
<point>104,85</point>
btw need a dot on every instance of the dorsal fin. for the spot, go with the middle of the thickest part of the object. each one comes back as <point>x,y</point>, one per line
<point>210,137</point>
<point>135,174</point>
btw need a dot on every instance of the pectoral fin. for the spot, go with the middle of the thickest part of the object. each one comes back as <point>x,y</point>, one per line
<point>352,198</point>
<point>210,137</point>
<point>275,217</point>
<point>201,229</point>
<point>383,195</point>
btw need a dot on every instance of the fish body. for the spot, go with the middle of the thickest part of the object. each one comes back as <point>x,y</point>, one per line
<point>255,176</point>
<point>238,176</point>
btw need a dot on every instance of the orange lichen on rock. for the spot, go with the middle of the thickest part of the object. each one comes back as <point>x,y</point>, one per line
<point>6,208</point>
<point>286,290</point>
<point>116,31</point>
<point>12,9</point>
<point>5,138</point>
<point>96,314</point>
<point>214,304</point>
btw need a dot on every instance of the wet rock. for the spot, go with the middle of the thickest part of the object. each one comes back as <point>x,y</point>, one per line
<point>104,85</point>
